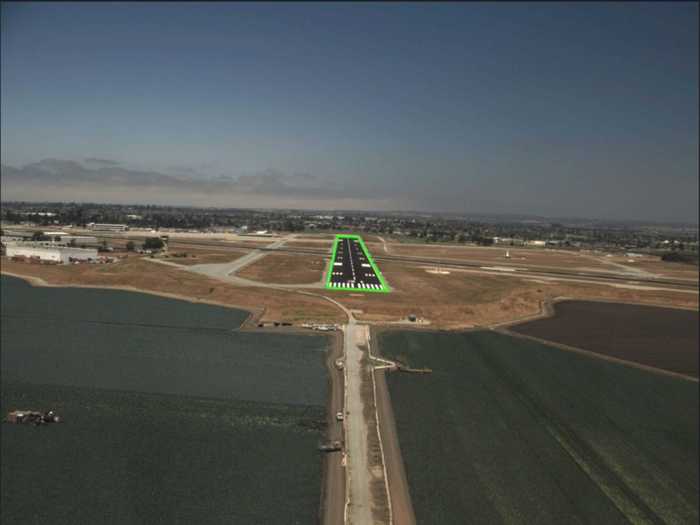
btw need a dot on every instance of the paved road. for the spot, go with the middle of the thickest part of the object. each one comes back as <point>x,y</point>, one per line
<point>359,509</point>
<point>227,271</point>
<point>333,492</point>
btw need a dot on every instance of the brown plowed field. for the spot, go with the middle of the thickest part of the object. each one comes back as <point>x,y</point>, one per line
<point>282,268</point>
<point>663,338</point>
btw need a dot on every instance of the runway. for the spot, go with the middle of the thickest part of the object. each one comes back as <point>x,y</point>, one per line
<point>352,268</point>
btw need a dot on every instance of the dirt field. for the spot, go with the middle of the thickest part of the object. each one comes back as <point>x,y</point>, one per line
<point>445,300</point>
<point>204,257</point>
<point>319,244</point>
<point>134,272</point>
<point>285,269</point>
<point>492,255</point>
<point>327,236</point>
<point>659,337</point>
<point>655,265</point>
<point>468,299</point>
<point>547,258</point>
<point>185,246</point>
<point>460,299</point>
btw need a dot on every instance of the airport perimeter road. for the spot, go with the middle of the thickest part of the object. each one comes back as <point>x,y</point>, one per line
<point>333,492</point>
<point>227,271</point>
<point>359,508</point>
<point>402,508</point>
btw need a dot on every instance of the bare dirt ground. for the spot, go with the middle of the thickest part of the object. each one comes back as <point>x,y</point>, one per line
<point>137,273</point>
<point>203,256</point>
<point>464,299</point>
<point>493,255</point>
<point>318,244</point>
<point>656,266</point>
<point>656,337</point>
<point>328,236</point>
<point>190,244</point>
<point>460,299</point>
<point>283,268</point>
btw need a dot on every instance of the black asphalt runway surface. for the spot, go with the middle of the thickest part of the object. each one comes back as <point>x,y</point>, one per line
<point>351,269</point>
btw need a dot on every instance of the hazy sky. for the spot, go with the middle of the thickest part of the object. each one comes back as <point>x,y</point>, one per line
<point>551,109</point>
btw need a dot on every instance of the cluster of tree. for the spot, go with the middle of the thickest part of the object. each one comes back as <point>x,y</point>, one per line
<point>152,243</point>
<point>684,257</point>
<point>39,236</point>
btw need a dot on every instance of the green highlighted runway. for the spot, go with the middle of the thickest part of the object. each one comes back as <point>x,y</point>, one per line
<point>352,268</point>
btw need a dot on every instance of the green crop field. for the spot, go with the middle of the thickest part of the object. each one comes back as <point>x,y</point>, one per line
<point>170,416</point>
<point>125,457</point>
<point>510,431</point>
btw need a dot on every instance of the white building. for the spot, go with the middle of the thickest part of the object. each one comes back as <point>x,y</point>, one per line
<point>108,227</point>
<point>59,254</point>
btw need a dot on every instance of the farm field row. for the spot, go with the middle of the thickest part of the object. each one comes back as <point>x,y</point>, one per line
<point>506,430</point>
<point>171,414</point>
<point>663,338</point>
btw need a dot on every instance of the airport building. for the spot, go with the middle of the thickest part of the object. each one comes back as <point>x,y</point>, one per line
<point>50,253</point>
<point>108,227</point>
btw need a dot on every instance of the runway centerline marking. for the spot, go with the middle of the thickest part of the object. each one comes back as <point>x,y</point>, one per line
<point>352,267</point>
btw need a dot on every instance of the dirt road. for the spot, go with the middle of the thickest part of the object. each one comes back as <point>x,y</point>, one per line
<point>402,508</point>
<point>359,510</point>
<point>333,488</point>
<point>227,271</point>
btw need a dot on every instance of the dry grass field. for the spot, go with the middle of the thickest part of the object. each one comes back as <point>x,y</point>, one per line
<point>445,300</point>
<point>204,256</point>
<point>184,246</point>
<point>654,264</point>
<point>545,258</point>
<point>327,236</point>
<point>491,255</point>
<point>282,268</point>
<point>459,299</point>
<point>467,299</point>
<point>135,272</point>
<point>319,244</point>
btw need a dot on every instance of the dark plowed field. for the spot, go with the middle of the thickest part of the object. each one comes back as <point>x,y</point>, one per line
<point>507,430</point>
<point>660,337</point>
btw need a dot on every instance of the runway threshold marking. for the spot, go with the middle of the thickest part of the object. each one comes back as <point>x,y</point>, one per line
<point>352,268</point>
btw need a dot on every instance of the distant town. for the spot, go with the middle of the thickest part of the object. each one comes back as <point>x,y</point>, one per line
<point>670,241</point>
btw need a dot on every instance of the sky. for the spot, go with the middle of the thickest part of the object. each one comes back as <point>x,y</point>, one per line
<point>551,109</point>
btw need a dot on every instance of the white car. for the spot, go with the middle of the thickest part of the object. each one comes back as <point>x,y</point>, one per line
<point>340,416</point>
